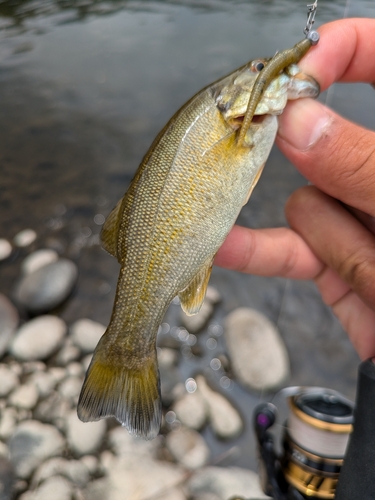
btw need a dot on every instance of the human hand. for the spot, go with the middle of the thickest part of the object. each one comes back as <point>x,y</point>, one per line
<point>332,243</point>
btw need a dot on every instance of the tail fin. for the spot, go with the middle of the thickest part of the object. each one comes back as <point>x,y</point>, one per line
<point>132,396</point>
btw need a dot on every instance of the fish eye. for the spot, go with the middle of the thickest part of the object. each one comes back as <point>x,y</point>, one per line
<point>259,66</point>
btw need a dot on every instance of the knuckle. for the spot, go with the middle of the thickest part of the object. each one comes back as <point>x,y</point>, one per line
<point>358,269</point>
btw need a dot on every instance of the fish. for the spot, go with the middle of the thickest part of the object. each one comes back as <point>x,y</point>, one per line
<point>168,227</point>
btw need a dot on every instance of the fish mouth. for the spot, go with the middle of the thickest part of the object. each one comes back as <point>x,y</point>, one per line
<point>236,121</point>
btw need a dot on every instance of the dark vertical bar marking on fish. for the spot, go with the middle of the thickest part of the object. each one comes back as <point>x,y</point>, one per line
<point>278,63</point>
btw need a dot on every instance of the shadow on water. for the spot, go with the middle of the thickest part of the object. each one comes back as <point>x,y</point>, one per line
<point>85,86</point>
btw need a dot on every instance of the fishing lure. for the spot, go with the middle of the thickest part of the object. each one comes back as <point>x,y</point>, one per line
<point>276,64</point>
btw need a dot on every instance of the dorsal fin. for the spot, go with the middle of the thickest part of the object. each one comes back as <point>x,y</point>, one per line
<point>109,233</point>
<point>192,296</point>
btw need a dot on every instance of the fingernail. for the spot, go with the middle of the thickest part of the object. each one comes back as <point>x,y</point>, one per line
<point>303,123</point>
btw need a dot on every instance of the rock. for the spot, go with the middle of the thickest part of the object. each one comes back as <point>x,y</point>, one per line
<point>6,479</point>
<point>38,338</point>
<point>55,487</point>
<point>57,373</point>
<point>126,445</point>
<point>191,410</point>
<point>24,238</point>
<point>188,448</point>
<point>8,323</point>
<point>70,388</point>
<point>225,483</point>
<point>84,438</point>
<point>75,369</point>
<point>33,367</point>
<point>67,353</point>
<point>25,396</point>
<point>9,380</point>
<point>44,382</point>
<point>73,470</point>
<point>8,422</point>
<point>31,444</point>
<point>54,409</point>
<point>47,287</point>
<point>258,355</point>
<point>5,249</point>
<point>133,478</point>
<point>90,462</point>
<point>224,418</point>
<point>213,295</point>
<point>86,333</point>
<point>4,452</point>
<point>196,323</point>
<point>38,259</point>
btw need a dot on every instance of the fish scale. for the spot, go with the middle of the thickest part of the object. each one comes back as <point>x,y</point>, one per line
<point>180,206</point>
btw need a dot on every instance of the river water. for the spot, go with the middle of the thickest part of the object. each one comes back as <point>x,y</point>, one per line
<point>84,88</point>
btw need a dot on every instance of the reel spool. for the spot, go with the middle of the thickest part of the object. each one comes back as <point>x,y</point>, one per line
<point>315,441</point>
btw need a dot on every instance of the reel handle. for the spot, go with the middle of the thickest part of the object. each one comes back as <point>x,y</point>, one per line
<point>357,477</point>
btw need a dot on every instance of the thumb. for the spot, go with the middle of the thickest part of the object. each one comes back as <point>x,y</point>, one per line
<point>334,154</point>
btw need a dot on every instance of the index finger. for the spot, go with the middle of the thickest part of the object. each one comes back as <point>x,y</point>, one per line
<point>345,53</point>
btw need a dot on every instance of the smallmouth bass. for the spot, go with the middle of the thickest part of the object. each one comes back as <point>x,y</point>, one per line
<point>166,230</point>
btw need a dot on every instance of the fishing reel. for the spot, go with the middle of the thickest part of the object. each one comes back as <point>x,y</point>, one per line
<point>325,452</point>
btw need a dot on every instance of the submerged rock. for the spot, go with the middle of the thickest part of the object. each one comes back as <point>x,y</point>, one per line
<point>31,444</point>
<point>191,410</point>
<point>84,438</point>
<point>38,259</point>
<point>259,357</point>
<point>47,287</point>
<point>5,249</point>
<point>188,448</point>
<point>25,237</point>
<point>38,338</point>
<point>86,333</point>
<point>224,418</point>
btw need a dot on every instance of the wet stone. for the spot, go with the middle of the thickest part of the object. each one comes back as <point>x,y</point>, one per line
<point>31,444</point>
<point>67,353</point>
<point>258,355</point>
<point>224,418</point>
<point>74,470</point>
<point>84,438</point>
<point>25,396</point>
<point>188,448</point>
<point>38,338</point>
<point>225,483</point>
<point>70,387</point>
<point>55,487</point>
<point>8,422</point>
<point>47,287</point>
<point>86,333</point>
<point>24,238</point>
<point>5,249</point>
<point>38,259</point>
<point>8,323</point>
<point>8,380</point>
<point>44,382</point>
<point>191,410</point>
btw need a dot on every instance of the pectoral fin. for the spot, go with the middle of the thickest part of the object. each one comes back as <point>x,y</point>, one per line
<point>109,231</point>
<point>255,182</point>
<point>192,296</point>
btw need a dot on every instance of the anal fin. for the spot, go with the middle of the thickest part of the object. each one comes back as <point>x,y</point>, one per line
<point>192,296</point>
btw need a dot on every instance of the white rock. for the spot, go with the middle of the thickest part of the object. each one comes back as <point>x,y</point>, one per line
<point>191,410</point>
<point>44,382</point>
<point>4,451</point>
<point>8,380</point>
<point>86,333</point>
<point>25,396</point>
<point>213,295</point>
<point>70,387</point>
<point>38,338</point>
<point>53,409</point>
<point>224,418</point>
<point>130,478</point>
<point>8,421</point>
<point>56,488</point>
<point>8,323</point>
<point>84,438</point>
<point>75,369</point>
<point>226,483</point>
<point>38,259</point>
<point>188,448</point>
<point>57,373</point>
<point>126,445</point>
<point>73,470</point>
<point>31,444</point>
<point>24,238</point>
<point>196,322</point>
<point>33,367</point>
<point>107,460</point>
<point>47,287</point>
<point>259,358</point>
<point>67,353</point>
<point>5,249</point>
<point>90,462</point>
